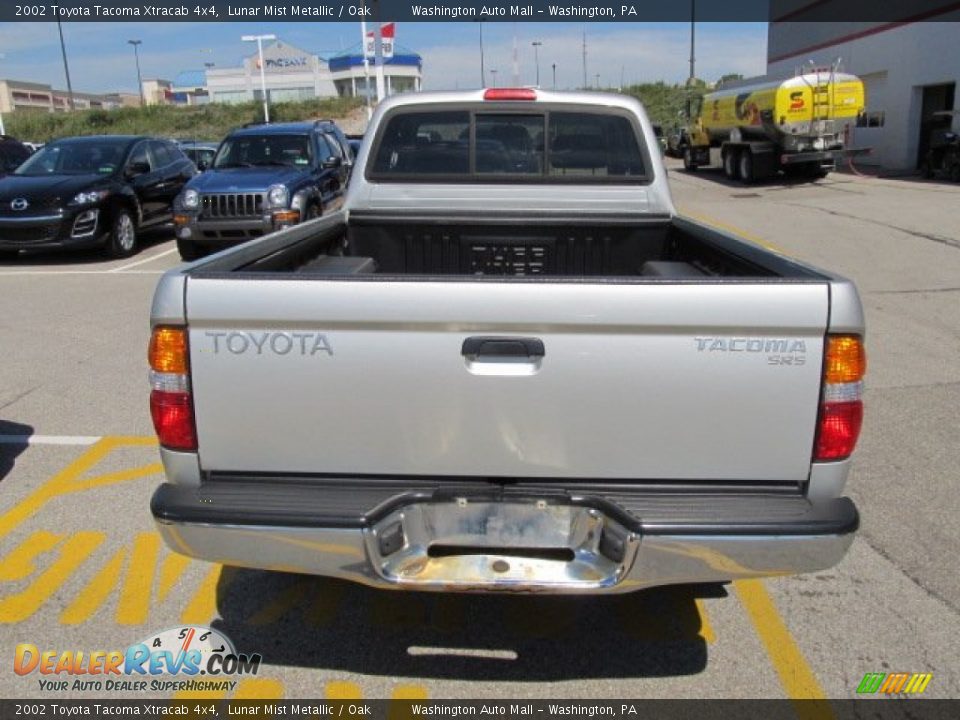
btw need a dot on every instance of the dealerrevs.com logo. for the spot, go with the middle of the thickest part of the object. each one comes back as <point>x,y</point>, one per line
<point>188,658</point>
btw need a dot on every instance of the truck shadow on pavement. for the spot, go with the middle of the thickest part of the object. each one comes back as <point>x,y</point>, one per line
<point>344,627</point>
<point>16,441</point>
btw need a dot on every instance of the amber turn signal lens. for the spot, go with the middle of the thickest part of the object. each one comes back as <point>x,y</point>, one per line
<point>168,350</point>
<point>846,359</point>
<point>181,219</point>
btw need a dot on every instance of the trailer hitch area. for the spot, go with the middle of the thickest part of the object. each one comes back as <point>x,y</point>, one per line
<point>487,545</point>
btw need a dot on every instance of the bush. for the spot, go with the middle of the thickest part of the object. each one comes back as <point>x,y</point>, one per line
<point>200,122</point>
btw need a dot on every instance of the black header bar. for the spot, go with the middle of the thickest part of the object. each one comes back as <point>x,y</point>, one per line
<point>581,11</point>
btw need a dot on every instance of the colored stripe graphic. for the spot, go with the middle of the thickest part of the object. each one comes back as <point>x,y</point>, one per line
<point>894,683</point>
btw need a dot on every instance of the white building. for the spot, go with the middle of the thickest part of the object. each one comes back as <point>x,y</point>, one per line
<point>291,73</point>
<point>910,71</point>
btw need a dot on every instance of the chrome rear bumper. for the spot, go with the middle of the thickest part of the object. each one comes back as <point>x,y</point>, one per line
<point>547,542</point>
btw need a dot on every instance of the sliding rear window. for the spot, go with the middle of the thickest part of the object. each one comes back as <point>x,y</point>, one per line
<point>508,146</point>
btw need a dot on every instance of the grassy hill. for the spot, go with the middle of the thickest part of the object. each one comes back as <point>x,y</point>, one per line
<point>204,122</point>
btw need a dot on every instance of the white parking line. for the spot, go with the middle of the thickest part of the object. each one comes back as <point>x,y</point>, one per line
<point>48,439</point>
<point>143,261</point>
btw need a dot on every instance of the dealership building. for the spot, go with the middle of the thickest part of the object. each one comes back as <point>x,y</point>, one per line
<point>910,70</point>
<point>290,73</point>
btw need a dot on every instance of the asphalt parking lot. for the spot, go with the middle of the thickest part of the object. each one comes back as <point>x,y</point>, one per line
<point>82,569</point>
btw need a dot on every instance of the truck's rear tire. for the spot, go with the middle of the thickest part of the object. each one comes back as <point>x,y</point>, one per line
<point>688,163</point>
<point>746,167</point>
<point>730,160</point>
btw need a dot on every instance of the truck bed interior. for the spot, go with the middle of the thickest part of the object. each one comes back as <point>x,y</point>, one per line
<point>668,248</point>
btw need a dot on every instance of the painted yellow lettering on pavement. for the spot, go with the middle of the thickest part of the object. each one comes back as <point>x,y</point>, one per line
<point>73,553</point>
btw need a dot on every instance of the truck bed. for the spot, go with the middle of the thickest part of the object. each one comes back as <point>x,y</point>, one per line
<point>510,247</point>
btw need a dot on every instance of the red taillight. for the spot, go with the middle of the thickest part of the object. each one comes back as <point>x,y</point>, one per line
<point>840,424</point>
<point>172,414</point>
<point>510,94</point>
<point>171,406</point>
<point>841,407</point>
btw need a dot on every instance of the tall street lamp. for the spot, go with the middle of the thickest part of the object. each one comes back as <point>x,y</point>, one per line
<point>493,72</point>
<point>554,76</point>
<point>536,57</point>
<point>136,54</point>
<point>263,78</point>
<point>2,130</point>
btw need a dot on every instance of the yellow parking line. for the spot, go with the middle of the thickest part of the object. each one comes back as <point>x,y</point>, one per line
<point>20,606</point>
<point>410,692</point>
<point>732,229</point>
<point>67,480</point>
<point>202,607</point>
<point>342,690</point>
<point>259,689</point>
<point>706,629</point>
<point>21,561</point>
<point>95,593</point>
<point>277,607</point>
<point>133,607</point>
<point>797,678</point>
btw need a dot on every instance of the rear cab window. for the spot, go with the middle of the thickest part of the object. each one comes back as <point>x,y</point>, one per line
<point>511,145</point>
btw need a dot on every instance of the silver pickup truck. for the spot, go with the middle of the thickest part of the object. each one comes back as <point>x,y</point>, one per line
<point>507,364</point>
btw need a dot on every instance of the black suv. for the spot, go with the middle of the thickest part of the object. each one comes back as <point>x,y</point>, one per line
<point>89,191</point>
<point>12,154</point>
<point>264,177</point>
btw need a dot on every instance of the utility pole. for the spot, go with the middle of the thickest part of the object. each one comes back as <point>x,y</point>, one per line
<point>536,58</point>
<point>66,68</point>
<point>483,76</point>
<point>516,64</point>
<point>693,11</point>
<point>585,60</point>
<point>136,54</point>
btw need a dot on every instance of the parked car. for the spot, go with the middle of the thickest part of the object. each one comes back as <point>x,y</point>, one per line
<point>264,177</point>
<point>12,153</point>
<point>201,153</point>
<point>677,142</point>
<point>355,142</point>
<point>88,191</point>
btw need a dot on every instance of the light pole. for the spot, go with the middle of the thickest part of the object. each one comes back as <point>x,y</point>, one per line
<point>2,130</point>
<point>263,78</point>
<point>554,76</point>
<point>493,72</point>
<point>136,54</point>
<point>66,68</point>
<point>536,58</point>
<point>598,80</point>
<point>483,78</point>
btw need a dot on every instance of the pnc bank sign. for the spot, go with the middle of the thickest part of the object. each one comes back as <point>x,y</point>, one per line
<point>283,63</point>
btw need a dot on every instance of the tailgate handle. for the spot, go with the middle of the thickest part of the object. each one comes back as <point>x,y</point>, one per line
<point>481,346</point>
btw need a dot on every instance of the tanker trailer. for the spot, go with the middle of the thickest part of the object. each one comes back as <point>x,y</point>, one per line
<point>757,128</point>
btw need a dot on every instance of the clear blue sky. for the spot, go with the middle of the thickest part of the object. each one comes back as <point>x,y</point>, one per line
<point>102,61</point>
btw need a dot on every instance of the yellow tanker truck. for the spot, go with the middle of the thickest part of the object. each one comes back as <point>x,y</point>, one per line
<point>757,128</point>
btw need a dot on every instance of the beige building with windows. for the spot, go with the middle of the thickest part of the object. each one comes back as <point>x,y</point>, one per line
<point>21,96</point>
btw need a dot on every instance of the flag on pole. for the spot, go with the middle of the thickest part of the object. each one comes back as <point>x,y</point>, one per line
<point>387,34</point>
